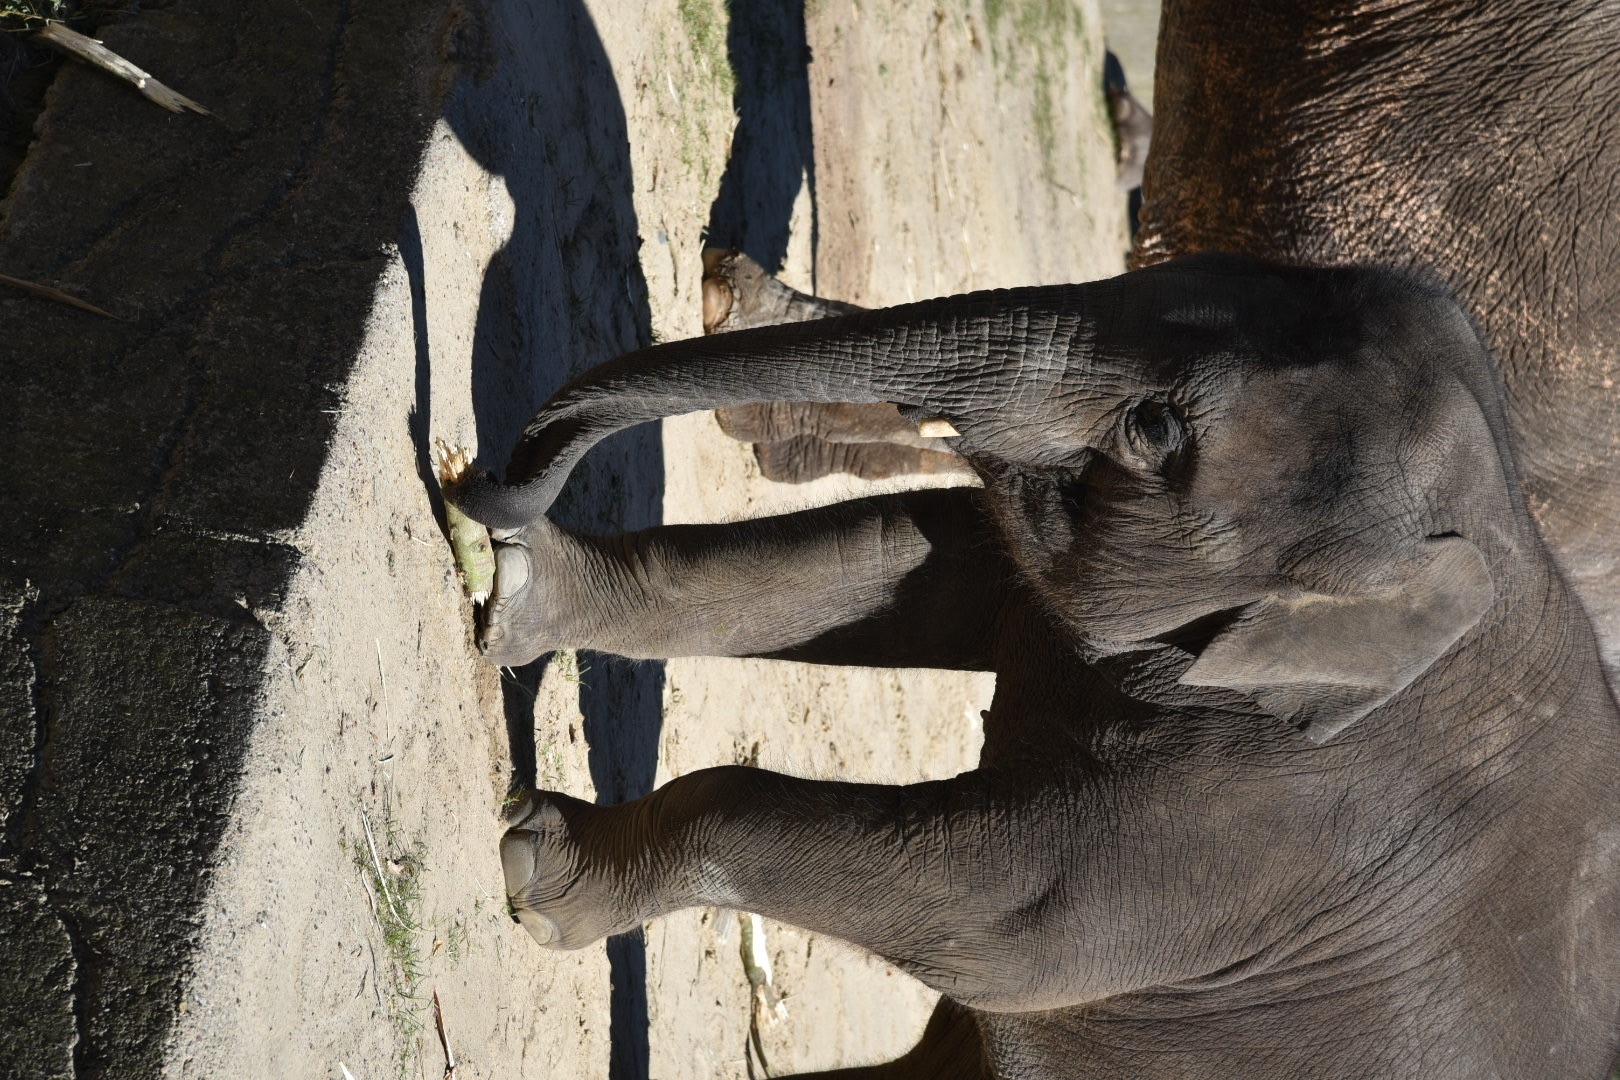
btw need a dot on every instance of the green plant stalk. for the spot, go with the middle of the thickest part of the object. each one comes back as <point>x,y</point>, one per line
<point>469,540</point>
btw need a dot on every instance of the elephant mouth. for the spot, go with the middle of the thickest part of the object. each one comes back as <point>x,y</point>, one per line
<point>1194,637</point>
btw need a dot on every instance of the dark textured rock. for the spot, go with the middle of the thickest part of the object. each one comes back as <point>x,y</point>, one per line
<point>151,709</point>
<point>37,974</point>
<point>161,461</point>
<point>18,725</point>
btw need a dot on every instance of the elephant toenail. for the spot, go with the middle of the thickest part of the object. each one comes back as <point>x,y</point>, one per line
<point>517,860</point>
<point>511,572</point>
<point>511,582</point>
<point>539,927</point>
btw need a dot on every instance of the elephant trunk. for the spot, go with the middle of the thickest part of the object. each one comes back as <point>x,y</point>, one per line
<point>967,359</point>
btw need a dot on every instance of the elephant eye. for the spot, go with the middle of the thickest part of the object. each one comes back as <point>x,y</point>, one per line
<point>1154,432</point>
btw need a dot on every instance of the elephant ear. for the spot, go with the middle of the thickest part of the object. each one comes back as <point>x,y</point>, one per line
<point>1325,661</point>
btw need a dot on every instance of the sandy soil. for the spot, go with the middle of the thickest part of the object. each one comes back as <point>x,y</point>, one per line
<point>949,152</point>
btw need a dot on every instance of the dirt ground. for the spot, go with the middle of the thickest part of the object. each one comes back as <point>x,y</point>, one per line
<point>913,151</point>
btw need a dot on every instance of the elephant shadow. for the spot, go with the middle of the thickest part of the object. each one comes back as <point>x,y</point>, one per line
<point>565,292</point>
<point>542,112</point>
<point>773,150</point>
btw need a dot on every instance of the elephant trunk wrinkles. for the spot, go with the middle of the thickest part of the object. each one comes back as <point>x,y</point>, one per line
<point>964,358</point>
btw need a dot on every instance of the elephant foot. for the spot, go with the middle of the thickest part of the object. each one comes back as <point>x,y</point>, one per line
<point>555,893</point>
<point>502,633</point>
<point>796,442</point>
<point>1133,126</point>
<point>519,618</point>
<point>738,294</point>
<point>799,441</point>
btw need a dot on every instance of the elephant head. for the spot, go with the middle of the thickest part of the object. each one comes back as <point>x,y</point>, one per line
<point>1298,478</point>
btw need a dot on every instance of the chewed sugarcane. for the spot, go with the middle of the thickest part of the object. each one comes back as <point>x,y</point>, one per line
<point>469,541</point>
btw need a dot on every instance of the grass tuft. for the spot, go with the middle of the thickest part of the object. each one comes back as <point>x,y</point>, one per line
<point>30,12</point>
<point>570,669</point>
<point>455,941</point>
<point>699,85</point>
<point>706,25</point>
<point>392,870</point>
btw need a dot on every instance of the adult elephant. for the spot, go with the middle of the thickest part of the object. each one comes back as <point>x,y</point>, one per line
<point>1301,761</point>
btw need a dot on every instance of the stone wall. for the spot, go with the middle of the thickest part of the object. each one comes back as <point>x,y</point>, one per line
<point>157,460</point>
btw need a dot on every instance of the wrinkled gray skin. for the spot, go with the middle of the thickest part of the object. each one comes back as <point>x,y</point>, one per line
<point>1473,142</point>
<point>1301,761</point>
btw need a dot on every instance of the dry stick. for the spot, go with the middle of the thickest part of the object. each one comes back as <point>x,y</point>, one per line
<point>764,1002</point>
<point>444,1038</point>
<point>376,980</point>
<point>382,678</point>
<point>92,51</point>
<point>376,861</point>
<point>55,294</point>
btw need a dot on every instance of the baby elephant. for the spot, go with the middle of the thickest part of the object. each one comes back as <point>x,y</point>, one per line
<point>1300,763</point>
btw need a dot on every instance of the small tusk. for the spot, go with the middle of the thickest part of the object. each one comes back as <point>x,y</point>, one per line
<point>937,427</point>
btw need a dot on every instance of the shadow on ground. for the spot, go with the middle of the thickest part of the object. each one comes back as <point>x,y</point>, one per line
<point>566,292</point>
<point>772,153</point>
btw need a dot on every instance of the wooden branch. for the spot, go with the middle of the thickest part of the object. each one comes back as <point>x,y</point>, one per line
<point>58,36</point>
<point>54,294</point>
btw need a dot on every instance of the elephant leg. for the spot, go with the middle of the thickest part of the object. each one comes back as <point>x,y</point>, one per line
<point>796,442</point>
<point>776,421</point>
<point>738,295</point>
<point>799,441</point>
<point>951,880</point>
<point>906,580</point>
<point>800,460</point>
<point>951,1048</point>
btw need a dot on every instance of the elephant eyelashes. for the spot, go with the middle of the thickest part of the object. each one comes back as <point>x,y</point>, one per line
<point>1154,433</point>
